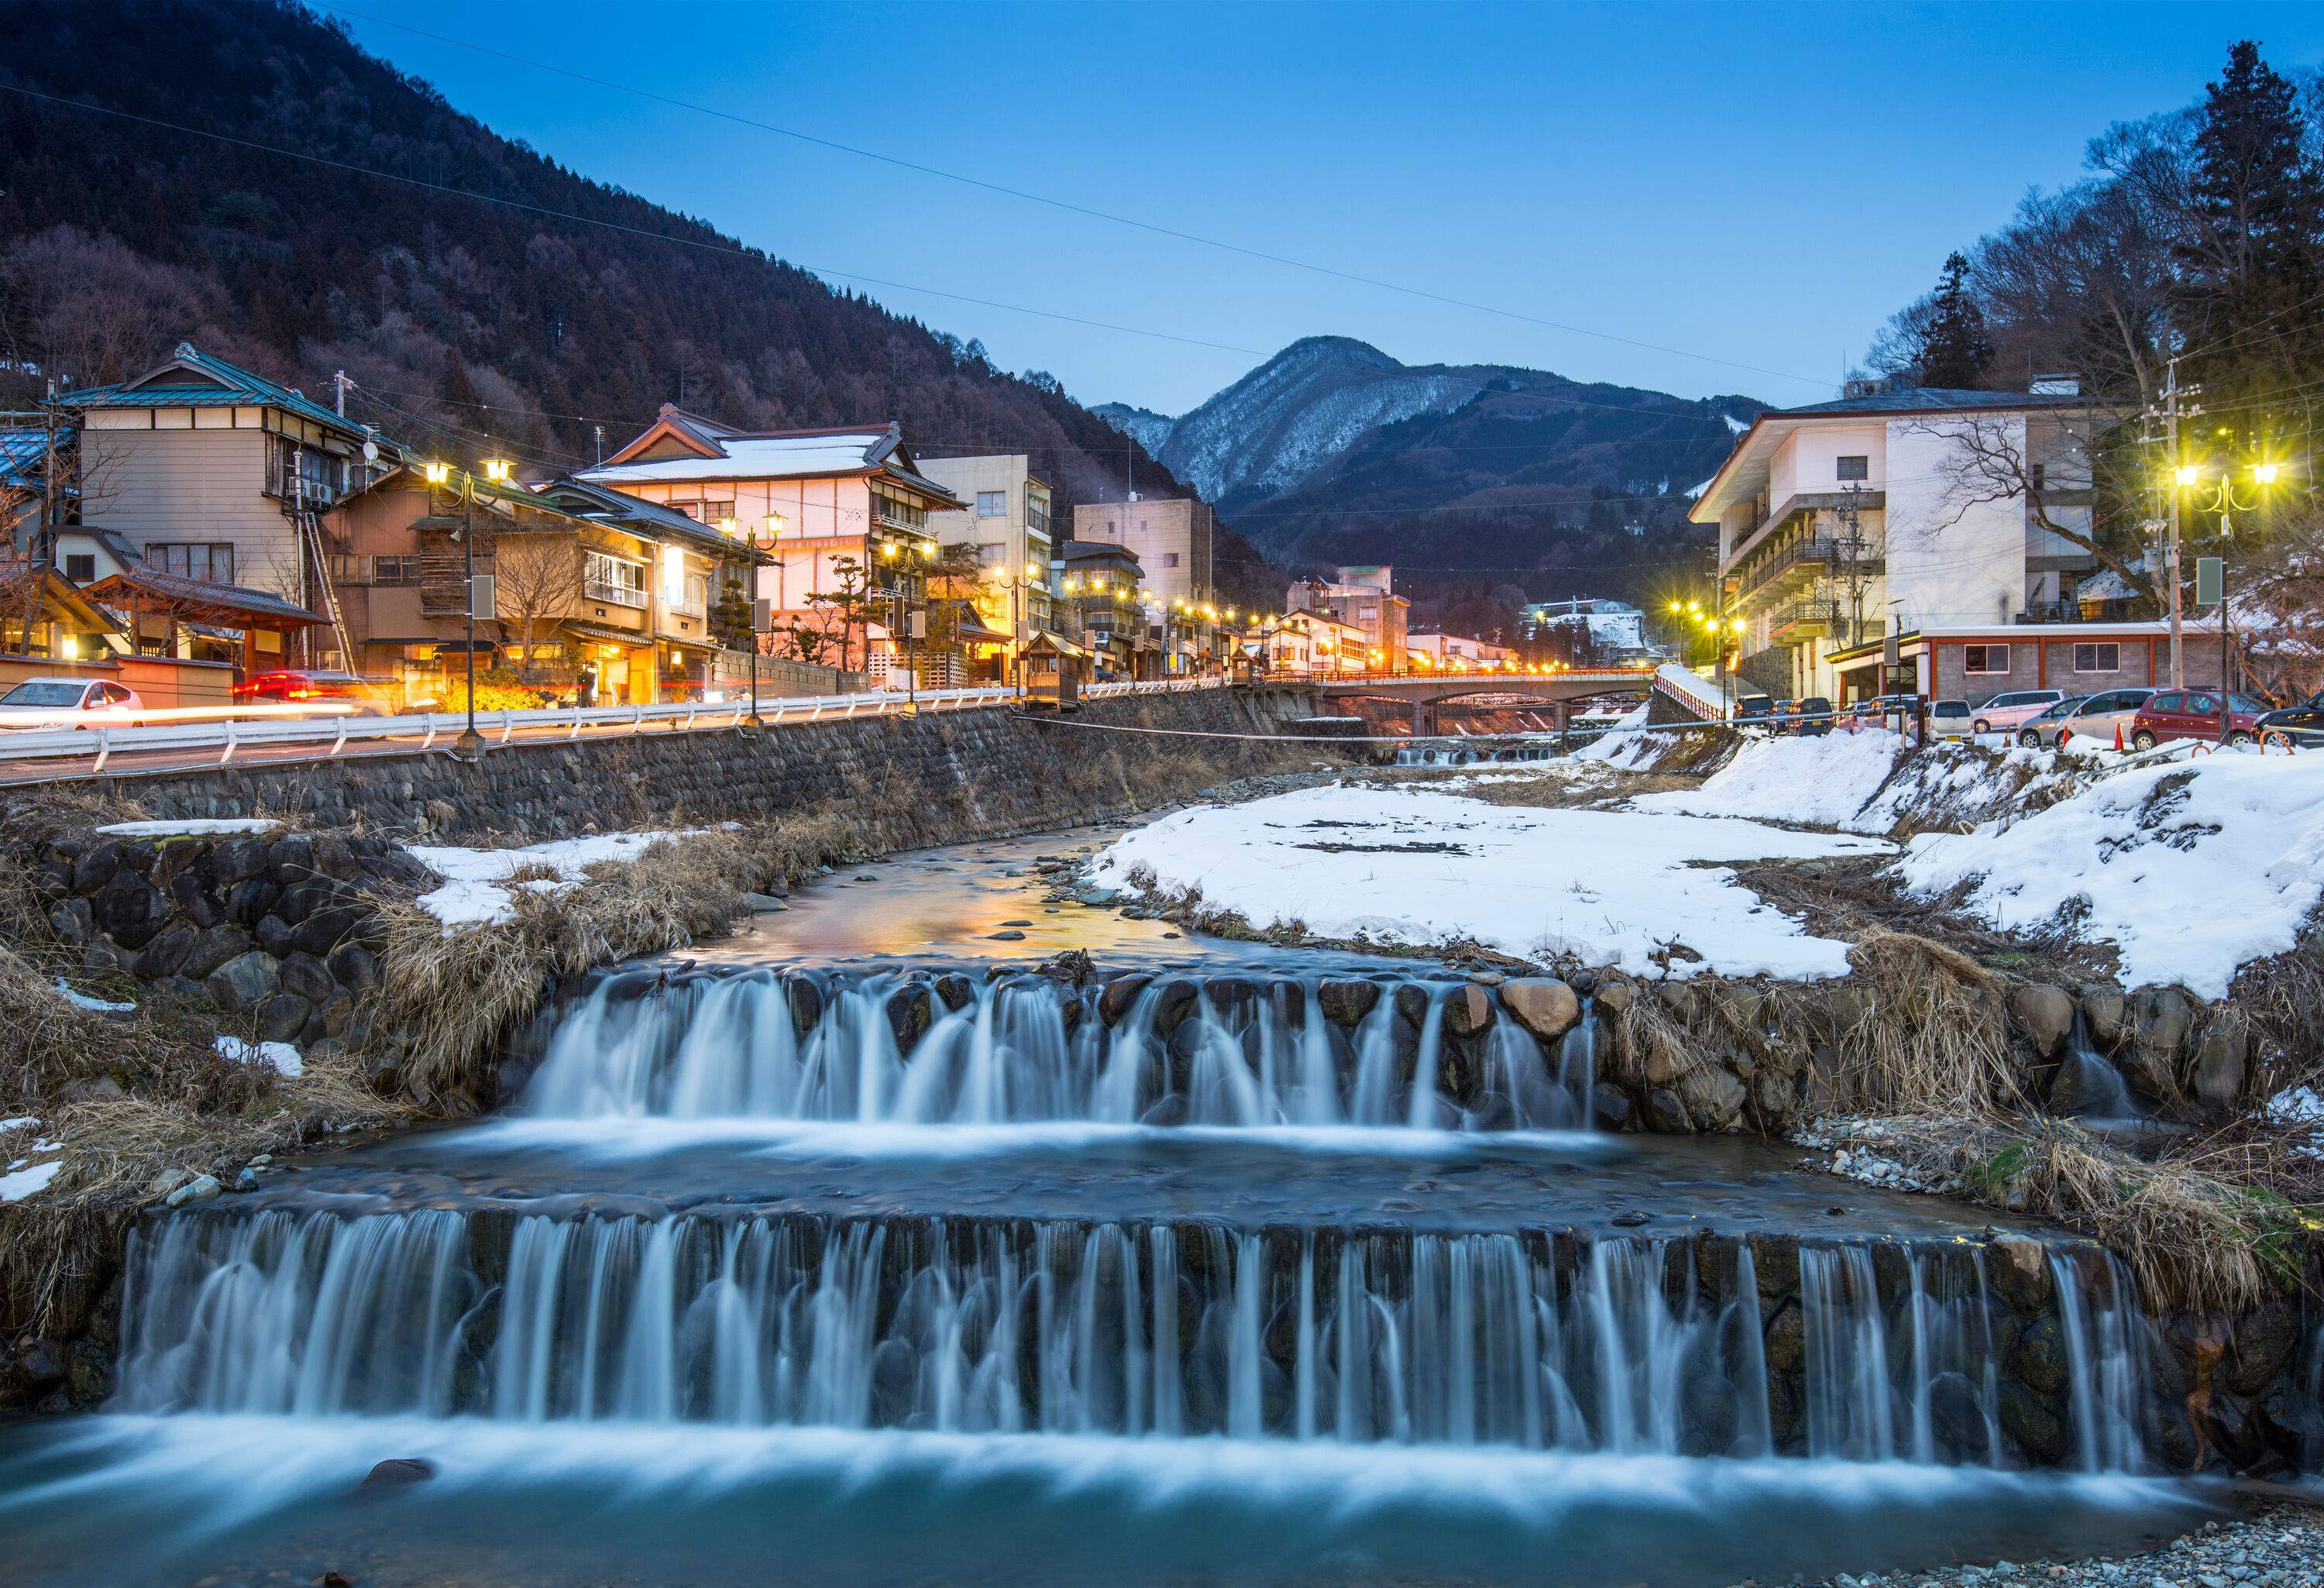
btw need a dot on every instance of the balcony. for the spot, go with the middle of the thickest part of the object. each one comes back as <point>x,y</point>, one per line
<point>1807,618</point>
<point>613,594</point>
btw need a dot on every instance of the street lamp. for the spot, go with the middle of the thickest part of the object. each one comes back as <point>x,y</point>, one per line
<point>470,744</point>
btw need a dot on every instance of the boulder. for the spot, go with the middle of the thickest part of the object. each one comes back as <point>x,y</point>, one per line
<point>2017,1267</point>
<point>1612,1109</point>
<point>96,866</point>
<point>2044,1013</point>
<point>398,1470</point>
<point>129,909</point>
<point>1665,1114</point>
<point>2037,1431</point>
<point>1713,1098</point>
<point>956,990</point>
<point>1614,997</point>
<point>238,859</point>
<point>2106,1013</point>
<point>2160,1017</point>
<point>1119,995</point>
<point>1468,1011</point>
<point>1542,1005</point>
<point>2038,1357</point>
<point>1412,1003</point>
<point>324,930</point>
<point>1785,1341</point>
<point>1174,1001</point>
<point>283,1017</point>
<point>245,981</point>
<point>167,955</point>
<point>911,1010</point>
<point>306,975</point>
<point>213,948</point>
<point>2216,1074</point>
<point>1345,1003</point>
<point>806,999</point>
<point>290,859</point>
<point>249,899</point>
<point>200,1189</point>
<point>354,967</point>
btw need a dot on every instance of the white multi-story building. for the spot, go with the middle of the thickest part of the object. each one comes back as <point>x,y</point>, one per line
<point>1006,519</point>
<point>1899,507</point>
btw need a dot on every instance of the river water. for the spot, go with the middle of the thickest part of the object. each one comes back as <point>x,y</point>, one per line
<point>857,1251</point>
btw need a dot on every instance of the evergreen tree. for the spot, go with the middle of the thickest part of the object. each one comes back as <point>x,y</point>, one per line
<point>2252,262</point>
<point>1956,348</point>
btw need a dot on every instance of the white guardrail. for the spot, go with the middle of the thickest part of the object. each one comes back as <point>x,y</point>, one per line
<point>333,735</point>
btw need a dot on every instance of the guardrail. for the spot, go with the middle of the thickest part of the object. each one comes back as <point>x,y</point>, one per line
<point>217,741</point>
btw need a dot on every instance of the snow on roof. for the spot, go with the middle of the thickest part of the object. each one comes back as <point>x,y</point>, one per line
<point>768,458</point>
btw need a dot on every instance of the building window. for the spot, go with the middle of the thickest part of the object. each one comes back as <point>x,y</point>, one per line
<point>1856,466</point>
<point>2098,658</point>
<point>992,504</point>
<point>2041,474</point>
<point>1984,658</point>
<point>705,513</point>
<point>401,569</point>
<point>1037,513</point>
<point>1169,559</point>
<point>611,579</point>
<point>208,561</point>
<point>80,567</point>
<point>896,509</point>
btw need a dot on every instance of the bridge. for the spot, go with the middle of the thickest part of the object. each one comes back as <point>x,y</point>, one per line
<point>1426,691</point>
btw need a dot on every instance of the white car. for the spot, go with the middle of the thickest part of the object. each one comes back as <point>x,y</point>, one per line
<point>1950,719</point>
<point>2096,717</point>
<point>69,703</point>
<point>2014,709</point>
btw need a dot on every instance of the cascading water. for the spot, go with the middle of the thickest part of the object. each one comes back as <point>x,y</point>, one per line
<point>1621,1346</point>
<point>2107,1347</point>
<point>1021,1050</point>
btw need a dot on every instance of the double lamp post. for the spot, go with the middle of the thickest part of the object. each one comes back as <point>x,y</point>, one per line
<point>470,745</point>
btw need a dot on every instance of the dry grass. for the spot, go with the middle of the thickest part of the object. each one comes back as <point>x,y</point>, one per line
<point>1932,1037</point>
<point>461,993</point>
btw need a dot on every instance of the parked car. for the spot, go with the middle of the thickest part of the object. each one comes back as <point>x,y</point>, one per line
<point>69,703</point>
<point>301,686</point>
<point>1780,714</point>
<point>1753,711</point>
<point>2042,733</point>
<point>1815,716</point>
<point>1950,719</point>
<point>2096,717</point>
<point>2303,724</point>
<point>2014,708</point>
<point>2194,714</point>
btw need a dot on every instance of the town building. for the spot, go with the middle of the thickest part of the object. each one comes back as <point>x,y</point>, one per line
<point>1431,651</point>
<point>1006,519</point>
<point>844,513</point>
<point>201,472</point>
<point>1896,507</point>
<point>1976,661</point>
<point>1366,597</point>
<point>1103,607</point>
<point>1170,537</point>
<point>1316,644</point>
<point>1591,628</point>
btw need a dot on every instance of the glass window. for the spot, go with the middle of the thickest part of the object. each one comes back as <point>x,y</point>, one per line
<point>610,579</point>
<point>2098,658</point>
<point>2164,702</point>
<point>1169,559</point>
<point>43,692</point>
<point>1984,658</point>
<point>80,567</point>
<point>2246,702</point>
<point>992,504</point>
<point>1857,467</point>
<point>192,561</point>
<point>2202,705</point>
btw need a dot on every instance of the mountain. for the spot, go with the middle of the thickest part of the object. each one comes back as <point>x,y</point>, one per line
<point>1333,451</point>
<point>466,325</point>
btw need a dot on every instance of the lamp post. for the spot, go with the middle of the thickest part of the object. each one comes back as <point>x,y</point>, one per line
<point>470,744</point>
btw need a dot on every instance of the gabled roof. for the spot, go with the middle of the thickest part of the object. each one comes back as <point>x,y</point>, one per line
<point>1091,550</point>
<point>632,513</point>
<point>191,378</point>
<point>681,447</point>
<point>1931,399</point>
<point>234,606</point>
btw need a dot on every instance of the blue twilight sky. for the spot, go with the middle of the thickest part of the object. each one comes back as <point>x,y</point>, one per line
<point>1756,184</point>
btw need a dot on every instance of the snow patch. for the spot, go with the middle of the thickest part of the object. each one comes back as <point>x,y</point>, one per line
<point>81,999</point>
<point>1822,781</point>
<point>1414,866</point>
<point>191,827</point>
<point>279,1056</point>
<point>2189,871</point>
<point>476,886</point>
<point>18,1184</point>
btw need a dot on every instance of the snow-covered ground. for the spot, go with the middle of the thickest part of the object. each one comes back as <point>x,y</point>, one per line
<point>1417,867</point>
<point>1820,782</point>
<point>476,886</point>
<point>193,827</point>
<point>2189,870</point>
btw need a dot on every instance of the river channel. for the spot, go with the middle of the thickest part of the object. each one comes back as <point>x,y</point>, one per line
<point>857,1249</point>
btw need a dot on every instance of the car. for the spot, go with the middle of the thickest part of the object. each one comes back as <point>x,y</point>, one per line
<point>2302,725</point>
<point>1753,711</point>
<point>2195,713</point>
<point>69,703</point>
<point>1779,715</point>
<point>2014,708</point>
<point>323,690</point>
<point>2044,730</point>
<point>2096,717</point>
<point>1950,719</point>
<point>1815,716</point>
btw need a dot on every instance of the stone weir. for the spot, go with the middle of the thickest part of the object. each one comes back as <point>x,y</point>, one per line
<point>934,777</point>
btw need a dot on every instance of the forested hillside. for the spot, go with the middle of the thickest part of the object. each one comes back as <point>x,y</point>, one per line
<point>463,321</point>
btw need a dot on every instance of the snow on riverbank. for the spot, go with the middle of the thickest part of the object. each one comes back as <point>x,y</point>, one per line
<point>476,882</point>
<point>1822,781</point>
<point>2189,871</point>
<point>1417,867</point>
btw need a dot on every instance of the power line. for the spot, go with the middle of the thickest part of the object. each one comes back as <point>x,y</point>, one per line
<point>1070,207</point>
<point>735,249</point>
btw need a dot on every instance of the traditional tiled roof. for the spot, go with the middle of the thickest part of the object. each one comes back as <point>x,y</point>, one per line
<point>721,453</point>
<point>194,379</point>
<point>1931,399</point>
<point>634,513</point>
<point>200,597</point>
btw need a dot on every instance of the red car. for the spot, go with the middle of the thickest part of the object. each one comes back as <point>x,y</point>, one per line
<point>2194,714</point>
<point>302,686</point>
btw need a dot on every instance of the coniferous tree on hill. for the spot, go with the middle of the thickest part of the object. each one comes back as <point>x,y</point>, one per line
<point>1956,350</point>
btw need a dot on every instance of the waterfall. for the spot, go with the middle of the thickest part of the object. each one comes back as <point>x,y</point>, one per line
<point>1015,1049</point>
<point>2088,1085</point>
<point>2106,1356</point>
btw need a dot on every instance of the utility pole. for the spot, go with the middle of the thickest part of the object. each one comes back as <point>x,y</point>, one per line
<point>2172,414</point>
<point>339,384</point>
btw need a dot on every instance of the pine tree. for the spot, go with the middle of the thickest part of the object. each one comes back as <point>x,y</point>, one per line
<point>2257,254</point>
<point>1956,350</point>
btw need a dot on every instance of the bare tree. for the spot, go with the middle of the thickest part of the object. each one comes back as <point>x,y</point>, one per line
<point>537,582</point>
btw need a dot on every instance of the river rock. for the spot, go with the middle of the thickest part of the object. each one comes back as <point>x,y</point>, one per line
<point>354,967</point>
<point>305,974</point>
<point>2037,1430</point>
<point>1665,1114</point>
<point>2038,1357</point>
<point>1614,997</point>
<point>2046,1013</point>
<point>1542,1005</point>
<point>2017,1267</point>
<point>283,1017</point>
<point>1713,1098</point>
<point>167,955</point>
<point>2106,1013</point>
<point>956,990</point>
<point>399,1470</point>
<point>1119,995</point>
<point>96,866</point>
<point>2160,1017</point>
<point>1412,1003</point>
<point>806,999</point>
<point>1345,1003</point>
<point>129,909</point>
<point>1174,1001</point>
<point>245,981</point>
<point>1785,1343</point>
<point>1468,1011</point>
<point>1611,1107</point>
<point>2216,1074</point>
<point>200,1189</point>
<point>911,1010</point>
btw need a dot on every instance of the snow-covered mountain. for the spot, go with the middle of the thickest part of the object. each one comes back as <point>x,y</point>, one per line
<point>1333,440</point>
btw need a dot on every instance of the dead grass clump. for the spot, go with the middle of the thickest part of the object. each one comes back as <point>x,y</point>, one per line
<point>2283,998</point>
<point>1931,1037</point>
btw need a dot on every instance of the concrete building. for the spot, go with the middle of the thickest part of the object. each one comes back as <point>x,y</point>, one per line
<point>1309,643</point>
<point>1006,519</point>
<point>819,500</point>
<point>1170,537</point>
<point>1103,609</point>
<point>1366,597</point>
<point>1898,505</point>
<point>1432,652</point>
<point>1974,663</point>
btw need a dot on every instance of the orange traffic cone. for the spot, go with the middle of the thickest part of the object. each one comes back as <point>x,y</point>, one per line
<point>2117,734</point>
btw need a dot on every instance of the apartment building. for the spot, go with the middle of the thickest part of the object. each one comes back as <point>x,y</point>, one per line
<point>1896,506</point>
<point>1006,517</point>
<point>1170,537</point>
<point>1366,597</point>
<point>844,511</point>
